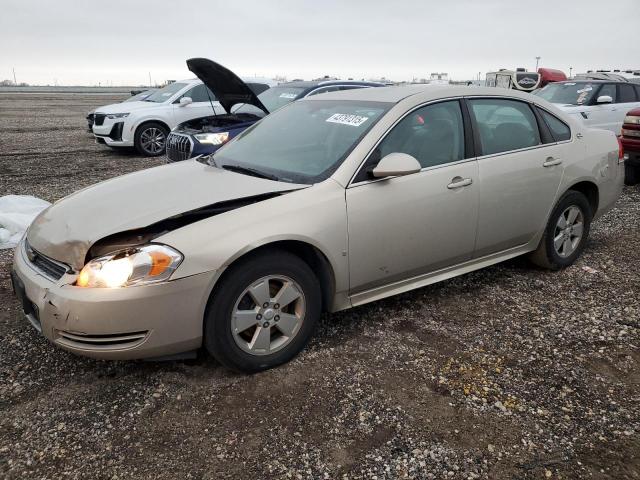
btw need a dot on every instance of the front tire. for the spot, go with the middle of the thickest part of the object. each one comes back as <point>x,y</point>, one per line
<point>566,233</point>
<point>150,139</point>
<point>263,312</point>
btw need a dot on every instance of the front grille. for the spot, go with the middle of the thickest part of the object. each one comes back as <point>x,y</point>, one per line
<point>52,269</point>
<point>179,147</point>
<point>98,118</point>
<point>115,341</point>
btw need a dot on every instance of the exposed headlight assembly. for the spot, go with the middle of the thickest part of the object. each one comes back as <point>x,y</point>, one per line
<point>143,265</point>
<point>632,119</point>
<point>212,138</point>
<point>117,115</point>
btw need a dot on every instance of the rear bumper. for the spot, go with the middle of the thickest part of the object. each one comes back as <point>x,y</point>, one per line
<point>114,324</point>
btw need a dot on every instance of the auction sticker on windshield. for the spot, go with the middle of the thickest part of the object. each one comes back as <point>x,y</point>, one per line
<point>288,95</point>
<point>347,119</point>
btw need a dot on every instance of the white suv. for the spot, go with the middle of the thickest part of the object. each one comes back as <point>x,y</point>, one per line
<point>598,103</point>
<point>146,124</point>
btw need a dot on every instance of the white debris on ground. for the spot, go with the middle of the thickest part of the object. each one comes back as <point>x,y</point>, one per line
<point>16,214</point>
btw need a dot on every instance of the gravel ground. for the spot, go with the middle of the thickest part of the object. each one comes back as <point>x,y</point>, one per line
<point>507,373</point>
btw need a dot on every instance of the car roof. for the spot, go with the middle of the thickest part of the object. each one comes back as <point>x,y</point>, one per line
<point>395,94</point>
<point>588,80</point>
<point>317,83</point>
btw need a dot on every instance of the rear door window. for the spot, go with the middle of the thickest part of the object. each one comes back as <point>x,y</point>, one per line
<point>626,94</point>
<point>504,125</point>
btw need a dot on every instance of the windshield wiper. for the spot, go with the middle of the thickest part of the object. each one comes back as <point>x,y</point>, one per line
<point>250,171</point>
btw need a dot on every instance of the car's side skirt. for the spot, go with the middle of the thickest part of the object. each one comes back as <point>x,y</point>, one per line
<point>401,286</point>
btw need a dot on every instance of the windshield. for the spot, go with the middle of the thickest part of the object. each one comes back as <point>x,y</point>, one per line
<point>165,93</point>
<point>278,97</point>
<point>304,142</point>
<point>568,93</point>
<point>139,96</point>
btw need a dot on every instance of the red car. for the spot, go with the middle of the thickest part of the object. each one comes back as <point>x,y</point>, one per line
<point>631,143</point>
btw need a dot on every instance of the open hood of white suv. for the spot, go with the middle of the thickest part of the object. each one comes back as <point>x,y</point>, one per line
<point>228,88</point>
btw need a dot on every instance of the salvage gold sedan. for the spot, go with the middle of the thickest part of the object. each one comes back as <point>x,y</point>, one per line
<point>331,202</point>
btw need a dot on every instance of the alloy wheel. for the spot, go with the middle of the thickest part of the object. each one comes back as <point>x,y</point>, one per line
<point>267,315</point>
<point>153,140</point>
<point>569,231</point>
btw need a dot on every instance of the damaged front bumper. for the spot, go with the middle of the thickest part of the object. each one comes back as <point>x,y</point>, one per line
<point>113,323</point>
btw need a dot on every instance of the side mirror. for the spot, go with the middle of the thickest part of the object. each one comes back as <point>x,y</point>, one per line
<point>604,99</point>
<point>396,165</point>
<point>184,101</point>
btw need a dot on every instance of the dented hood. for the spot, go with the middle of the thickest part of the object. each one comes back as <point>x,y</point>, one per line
<point>67,230</point>
<point>228,88</point>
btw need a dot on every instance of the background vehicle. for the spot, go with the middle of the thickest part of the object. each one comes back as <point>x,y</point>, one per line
<point>135,97</point>
<point>145,124</point>
<point>202,136</point>
<point>371,193</point>
<point>598,103</point>
<point>631,143</point>
<point>632,76</point>
<point>550,75</point>
<point>518,79</point>
<point>523,80</point>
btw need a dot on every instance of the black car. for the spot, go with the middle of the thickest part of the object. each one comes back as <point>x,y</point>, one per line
<point>204,135</point>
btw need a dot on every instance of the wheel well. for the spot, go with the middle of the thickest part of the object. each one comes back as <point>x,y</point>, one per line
<point>309,254</point>
<point>589,190</point>
<point>152,121</point>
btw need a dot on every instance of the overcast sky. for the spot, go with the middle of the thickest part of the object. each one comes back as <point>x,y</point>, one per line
<point>119,42</point>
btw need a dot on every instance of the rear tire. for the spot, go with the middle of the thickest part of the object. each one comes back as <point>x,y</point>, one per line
<point>150,139</point>
<point>246,328</point>
<point>631,175</point>
<point>566,233</point>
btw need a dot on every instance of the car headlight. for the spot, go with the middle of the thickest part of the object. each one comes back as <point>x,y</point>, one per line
<point>151,263</point>
<point>117,115</point>
<point>632,119</point>
<point>212,138</point>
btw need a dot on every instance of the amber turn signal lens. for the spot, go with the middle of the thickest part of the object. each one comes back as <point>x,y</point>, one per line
<point>159,263</point>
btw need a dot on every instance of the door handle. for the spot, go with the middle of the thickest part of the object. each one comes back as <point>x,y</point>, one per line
<point>459,182</point>
<point>551,162</point>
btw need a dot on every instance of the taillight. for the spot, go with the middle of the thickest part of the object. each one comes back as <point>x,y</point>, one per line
<point>620,150</point>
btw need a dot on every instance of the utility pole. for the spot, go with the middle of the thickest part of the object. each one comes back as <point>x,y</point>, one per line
<point>150,80</point>
<point>570,70</point>
<point>15,82</point>
<point>537,61</point>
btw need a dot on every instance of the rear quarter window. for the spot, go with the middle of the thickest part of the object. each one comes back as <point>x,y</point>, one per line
<point>560,130</point>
